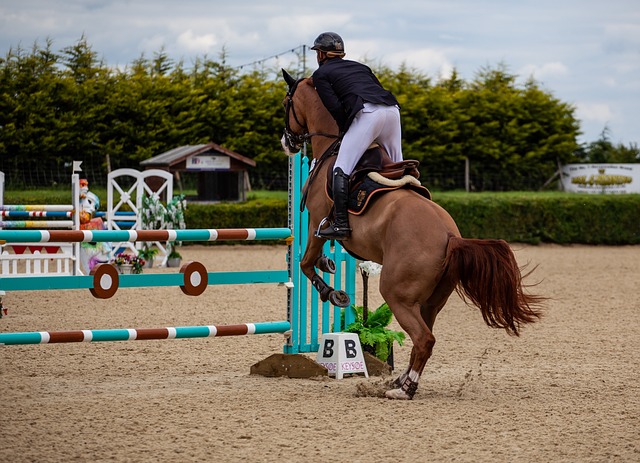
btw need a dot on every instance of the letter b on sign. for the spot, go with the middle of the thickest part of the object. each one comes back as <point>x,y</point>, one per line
<point>327,352</point>
<point>341,353</point>
<point>350,348</point>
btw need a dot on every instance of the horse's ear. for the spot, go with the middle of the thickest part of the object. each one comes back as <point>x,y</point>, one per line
<point>288,79</point>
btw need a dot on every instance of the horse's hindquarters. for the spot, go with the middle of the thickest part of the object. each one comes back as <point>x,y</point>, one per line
<point>401,225</point>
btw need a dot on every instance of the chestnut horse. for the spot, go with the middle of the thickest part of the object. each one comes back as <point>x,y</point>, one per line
<point>424,258</point>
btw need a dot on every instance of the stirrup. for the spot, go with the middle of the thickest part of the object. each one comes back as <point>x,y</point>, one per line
<point>322,222</point>
<point>332,232</point>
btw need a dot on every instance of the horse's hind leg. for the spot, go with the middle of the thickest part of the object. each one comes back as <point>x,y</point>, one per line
<point>411,321</point>
<point>406,296</point>
<point>428,312</point>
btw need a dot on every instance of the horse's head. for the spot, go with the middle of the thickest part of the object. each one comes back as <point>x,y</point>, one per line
<point>295,130</point>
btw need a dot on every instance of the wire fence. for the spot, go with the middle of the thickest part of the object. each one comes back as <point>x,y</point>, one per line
<point>59,176</point>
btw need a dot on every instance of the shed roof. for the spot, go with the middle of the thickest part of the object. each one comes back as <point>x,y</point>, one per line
<point>180,154</point>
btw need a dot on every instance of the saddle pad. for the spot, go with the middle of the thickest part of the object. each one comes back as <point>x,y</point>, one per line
<point>362,195</point>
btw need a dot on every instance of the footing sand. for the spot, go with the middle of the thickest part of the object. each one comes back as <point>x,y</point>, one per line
<point>567,390</point>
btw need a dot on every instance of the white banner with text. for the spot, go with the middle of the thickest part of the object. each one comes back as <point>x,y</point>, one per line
<point>601,178</point>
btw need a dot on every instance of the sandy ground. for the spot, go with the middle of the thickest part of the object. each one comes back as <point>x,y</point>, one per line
<point>566,390</point>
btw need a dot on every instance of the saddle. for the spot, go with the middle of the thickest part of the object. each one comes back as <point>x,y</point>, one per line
<point>376,174</point>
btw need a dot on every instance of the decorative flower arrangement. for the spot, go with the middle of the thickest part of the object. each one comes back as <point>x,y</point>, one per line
<point>136,262</point>
<point>174,217</point>
<point>370,268</point>
<point>156,216</point>
<point>152,213</point>
<point>174,220</point>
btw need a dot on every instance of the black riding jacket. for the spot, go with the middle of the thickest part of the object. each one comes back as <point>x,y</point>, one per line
<point>344,86</point>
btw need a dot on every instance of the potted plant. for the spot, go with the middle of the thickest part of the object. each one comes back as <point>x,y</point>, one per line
<point>374,335</point>
<point>128,263</point>
<point>174,258</point>
<point>174,220</point>
<point>148,253</point>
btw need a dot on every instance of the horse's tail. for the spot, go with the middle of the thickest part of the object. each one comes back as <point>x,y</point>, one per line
<point>487,274</point>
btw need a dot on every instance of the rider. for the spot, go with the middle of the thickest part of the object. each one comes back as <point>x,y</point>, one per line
<point>364,111</point>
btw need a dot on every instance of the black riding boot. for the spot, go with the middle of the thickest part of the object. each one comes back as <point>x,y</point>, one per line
<point>339,229</point>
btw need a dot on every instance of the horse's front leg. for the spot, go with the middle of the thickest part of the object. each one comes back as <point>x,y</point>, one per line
<point>313,257</point>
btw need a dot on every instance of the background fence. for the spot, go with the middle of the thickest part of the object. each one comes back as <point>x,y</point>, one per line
<point>47,175</point>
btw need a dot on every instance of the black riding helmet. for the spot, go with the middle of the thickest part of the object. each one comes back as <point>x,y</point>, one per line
<point>329,41</point>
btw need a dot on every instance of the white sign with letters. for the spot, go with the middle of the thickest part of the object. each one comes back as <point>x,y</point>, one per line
<point>601,178</point>
<point>209,163</point>
<point>341,353</point>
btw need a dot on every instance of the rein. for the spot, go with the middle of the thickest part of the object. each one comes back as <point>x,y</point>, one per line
<point>331,151</point>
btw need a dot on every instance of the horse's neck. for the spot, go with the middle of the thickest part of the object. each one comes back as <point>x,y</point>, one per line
<point>320,145</point>
<point>319,121</point>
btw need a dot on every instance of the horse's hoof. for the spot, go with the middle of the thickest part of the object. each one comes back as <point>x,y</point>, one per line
<point>339,298</point>
<point>397,394</point>
<point>325,264</point>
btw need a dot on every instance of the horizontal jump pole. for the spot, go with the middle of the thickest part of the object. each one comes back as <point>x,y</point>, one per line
<point>25,214</point>
<point>142,280</point>
<point>102,214</point>
<point>35,207</point>
<point>36,224</point>
<point>80,236</point>
<point>132,334</point>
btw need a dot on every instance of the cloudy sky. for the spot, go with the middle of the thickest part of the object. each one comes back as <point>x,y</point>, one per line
<point>585,52</point>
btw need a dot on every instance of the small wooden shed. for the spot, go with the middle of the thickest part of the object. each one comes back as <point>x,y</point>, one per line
<point>222,174</point>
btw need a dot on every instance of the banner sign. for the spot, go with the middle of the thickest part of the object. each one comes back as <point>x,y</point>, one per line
<point>601,178</point>
<point>209,163</point>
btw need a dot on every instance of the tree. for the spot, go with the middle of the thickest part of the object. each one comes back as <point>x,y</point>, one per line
<point>604,151</point>
<point>59,107</point>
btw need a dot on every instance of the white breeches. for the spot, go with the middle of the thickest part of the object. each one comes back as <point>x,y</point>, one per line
<point>375,122</point>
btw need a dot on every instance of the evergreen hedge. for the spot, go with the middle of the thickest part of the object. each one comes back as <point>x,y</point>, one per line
<point>552,218</point>
<point>525,218</point>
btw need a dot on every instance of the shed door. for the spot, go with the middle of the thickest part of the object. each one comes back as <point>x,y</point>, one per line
<point>219,186</point>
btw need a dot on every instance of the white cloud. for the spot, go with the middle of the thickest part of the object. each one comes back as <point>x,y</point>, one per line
<point>432,62</point>
<point>197,43</point>
<point>596,112</point>
<point>547,70</point>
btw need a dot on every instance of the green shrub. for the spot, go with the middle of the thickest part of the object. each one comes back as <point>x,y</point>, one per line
<point>525,217</point>
<point>550,218</point>
<point>259,213</point>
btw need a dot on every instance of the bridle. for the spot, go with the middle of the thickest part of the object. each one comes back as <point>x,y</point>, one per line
<point>293,139</point>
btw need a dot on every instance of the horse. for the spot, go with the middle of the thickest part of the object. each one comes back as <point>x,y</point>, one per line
<point>423,256</point>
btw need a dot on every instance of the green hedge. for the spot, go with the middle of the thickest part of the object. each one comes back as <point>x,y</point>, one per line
<point>260,213</point>
<point>522,217</point>
<point>526,217</point>
<point>549,218</point>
